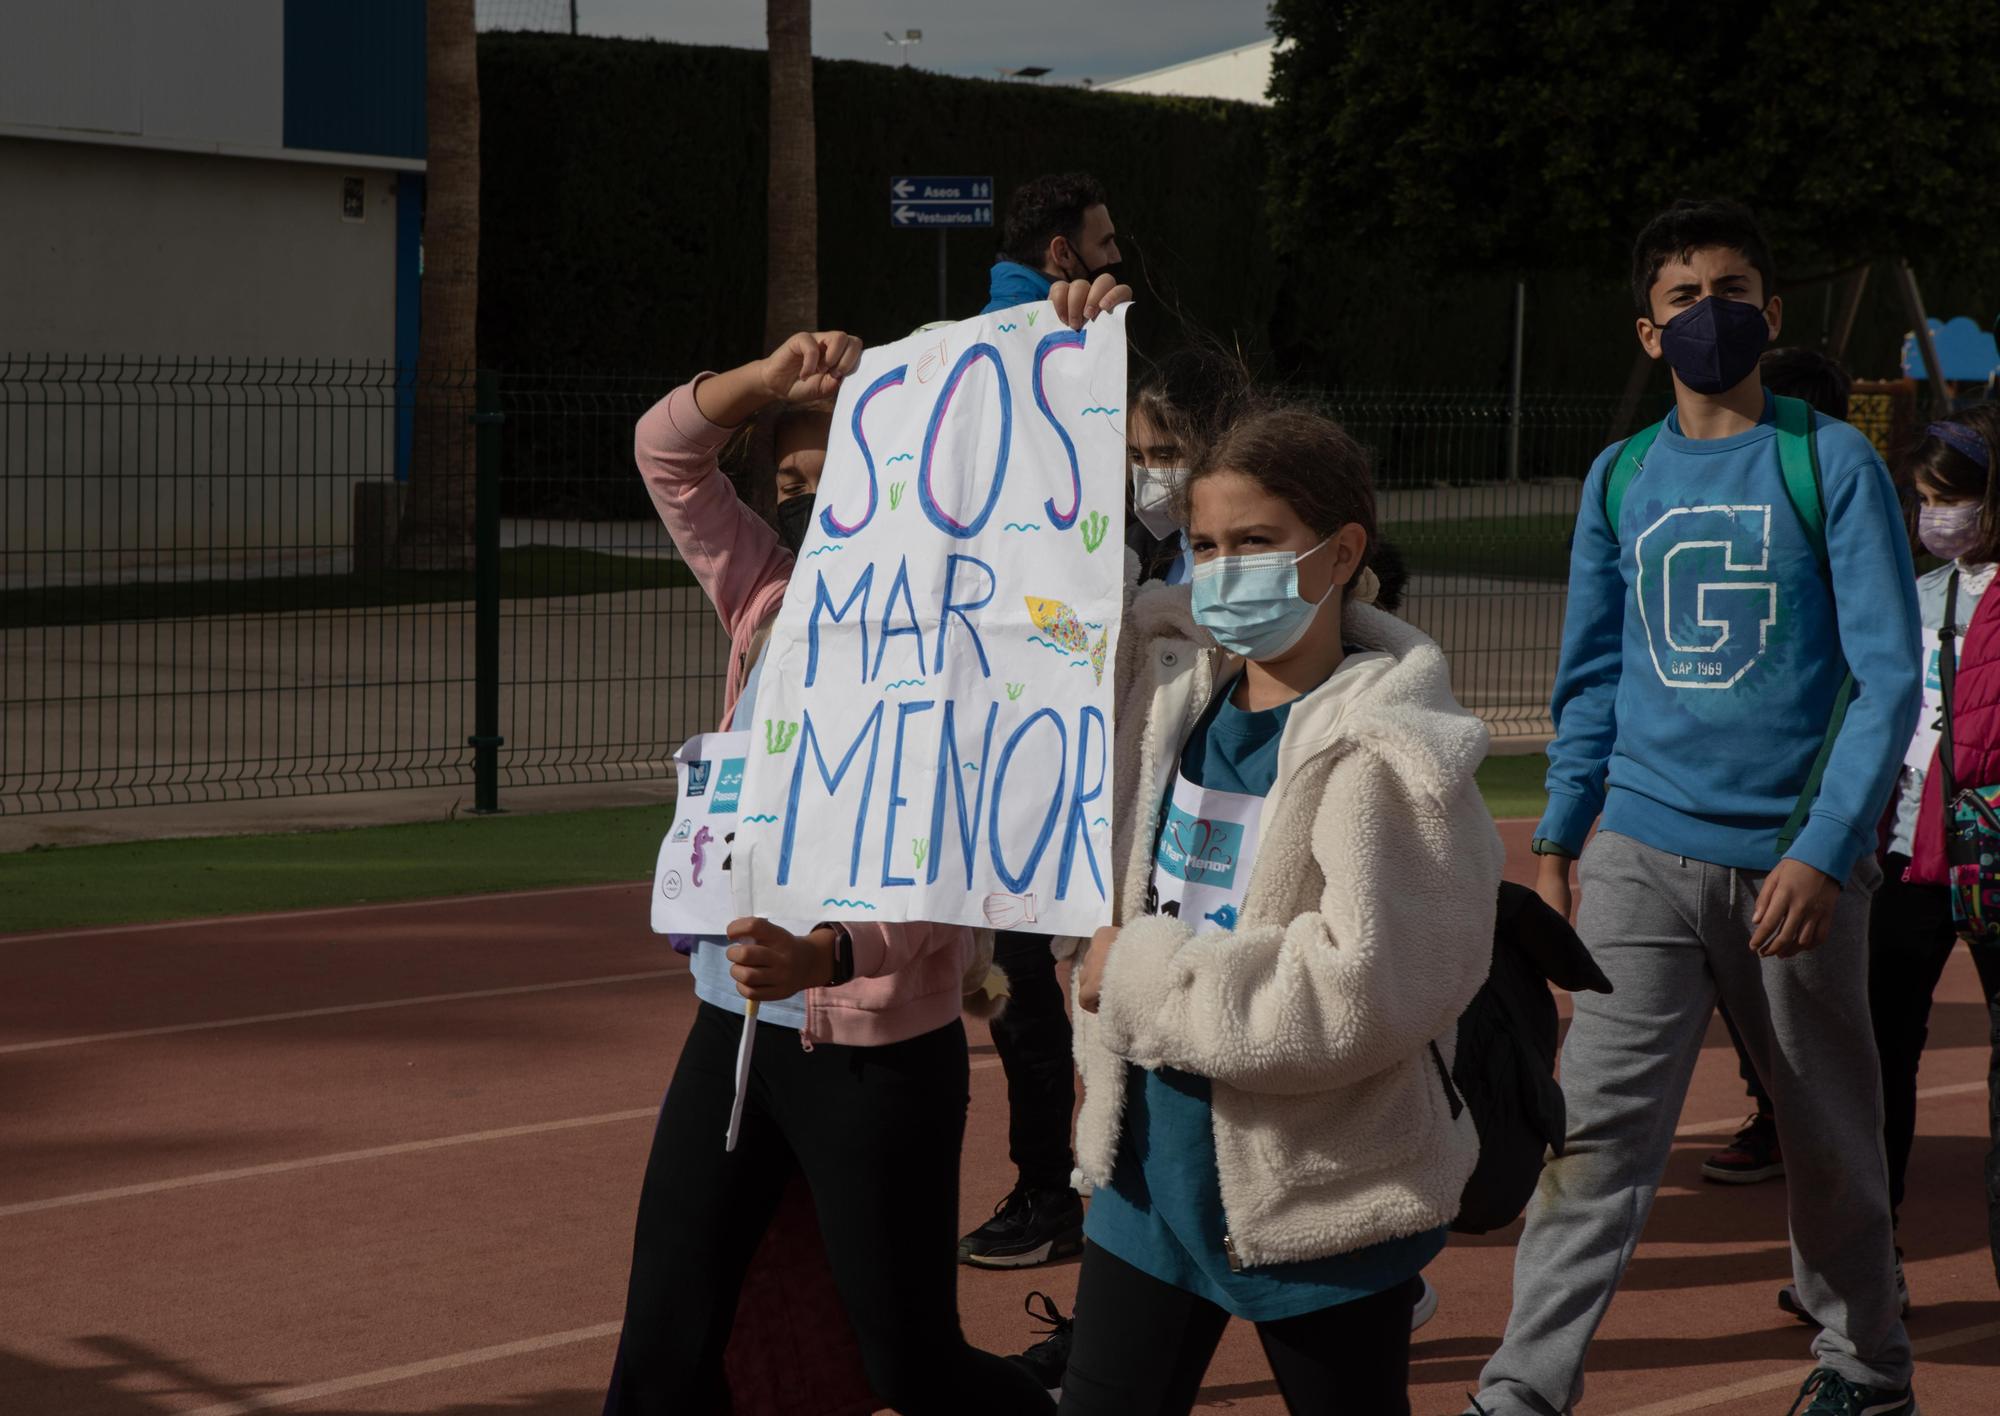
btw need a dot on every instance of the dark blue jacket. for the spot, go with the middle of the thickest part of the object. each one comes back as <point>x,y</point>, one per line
<point>1012,283</point>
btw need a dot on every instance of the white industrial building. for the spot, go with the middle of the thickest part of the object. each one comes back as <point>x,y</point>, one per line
<point>1242,73</point>
<point>196,190</point>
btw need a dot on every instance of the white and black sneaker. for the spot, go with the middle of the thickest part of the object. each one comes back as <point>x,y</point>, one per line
<point>1029,1227</point>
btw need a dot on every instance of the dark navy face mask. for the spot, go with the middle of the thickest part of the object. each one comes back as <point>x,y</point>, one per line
<point>1715,343</point>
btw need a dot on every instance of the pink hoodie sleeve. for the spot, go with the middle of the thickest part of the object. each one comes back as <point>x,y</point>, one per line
<point>883,949</point>
<point>732,551</point>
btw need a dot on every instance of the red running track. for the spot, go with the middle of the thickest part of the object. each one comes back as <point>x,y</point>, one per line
<point>384,1160</point>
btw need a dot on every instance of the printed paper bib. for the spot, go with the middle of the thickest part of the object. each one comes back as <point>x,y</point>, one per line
<point>691,893</point>
<point>1201,867</point>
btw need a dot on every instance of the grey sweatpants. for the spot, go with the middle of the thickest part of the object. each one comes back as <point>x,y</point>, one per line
<point>1670,932</point>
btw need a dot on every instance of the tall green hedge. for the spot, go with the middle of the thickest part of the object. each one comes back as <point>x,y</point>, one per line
<point>623,228</point>
<point>622,201</point>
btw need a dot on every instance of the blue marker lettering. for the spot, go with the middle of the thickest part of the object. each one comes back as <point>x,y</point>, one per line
<point>926,498</point>
<point>960,607</point>
<point>896,798</point>
<point>1078,825</point>
<point>1018,883</point>
<point>1061,339</point>
<point>831,524</point>
<point>951,778</point>
<point>900,587</point>
<point>822,600</point>
<point>809,741</point>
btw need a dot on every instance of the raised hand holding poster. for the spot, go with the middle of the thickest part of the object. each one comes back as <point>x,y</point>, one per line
<point>933,736</point>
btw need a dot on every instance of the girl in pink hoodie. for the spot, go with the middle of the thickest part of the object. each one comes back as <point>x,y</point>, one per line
<point>859,1084</point>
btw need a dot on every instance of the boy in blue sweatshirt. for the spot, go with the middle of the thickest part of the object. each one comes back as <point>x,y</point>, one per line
<point>1710,648</point>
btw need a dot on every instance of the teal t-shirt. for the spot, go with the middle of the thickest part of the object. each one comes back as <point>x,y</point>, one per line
<point>1162,1212</point>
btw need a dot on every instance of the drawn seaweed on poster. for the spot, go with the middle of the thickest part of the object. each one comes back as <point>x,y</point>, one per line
<point>779,736</point>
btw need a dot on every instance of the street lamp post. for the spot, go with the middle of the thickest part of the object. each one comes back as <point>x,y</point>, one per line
<point>910,37</point>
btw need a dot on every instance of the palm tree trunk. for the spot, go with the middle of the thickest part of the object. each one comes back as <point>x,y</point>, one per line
<point>791,282</point>
<point>437,524</point>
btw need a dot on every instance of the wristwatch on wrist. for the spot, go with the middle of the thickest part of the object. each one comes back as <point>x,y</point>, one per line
<point>1543,846</point>
<point>843,952</point>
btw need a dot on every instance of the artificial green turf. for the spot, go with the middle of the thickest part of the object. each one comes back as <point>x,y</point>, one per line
<point>1512,786</point>
<point>526,573</point>
<point>74,887</point>
<point>70,887</point>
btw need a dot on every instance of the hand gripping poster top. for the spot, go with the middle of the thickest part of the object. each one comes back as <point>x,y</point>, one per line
<point>933,735</point>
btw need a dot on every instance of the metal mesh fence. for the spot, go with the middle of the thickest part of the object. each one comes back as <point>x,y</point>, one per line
<point>209,590</point>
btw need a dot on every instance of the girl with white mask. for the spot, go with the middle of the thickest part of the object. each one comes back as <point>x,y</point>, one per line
<point>1305,877</point>
<point>1181,403</point>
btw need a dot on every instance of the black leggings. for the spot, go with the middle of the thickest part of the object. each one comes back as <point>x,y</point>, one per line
<point>1910,940</point>
<point>1031,1034</point>
<point>876,1132</point>
<point>1142,1347</point>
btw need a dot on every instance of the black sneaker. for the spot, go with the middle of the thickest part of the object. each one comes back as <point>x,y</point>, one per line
<point>1029,1227</point>
<point>1754,1155</point>
<point>1048,1359</point>
<point>1834,1395</point>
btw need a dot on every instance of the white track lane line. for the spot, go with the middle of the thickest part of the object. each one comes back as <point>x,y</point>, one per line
<point>383,1376</point>
<point>312,1162</point>
<point>336,1011</point>
<point>325,911</point>
<point>1791,1379</point>
<point>282,1167</point>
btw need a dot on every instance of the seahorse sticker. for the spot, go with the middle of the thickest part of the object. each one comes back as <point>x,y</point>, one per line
<point>700,856</point>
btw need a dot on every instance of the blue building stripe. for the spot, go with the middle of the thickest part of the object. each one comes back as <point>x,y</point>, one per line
<point>354,76</point>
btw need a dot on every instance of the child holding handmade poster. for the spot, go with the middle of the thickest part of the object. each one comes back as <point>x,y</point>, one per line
<point>933,739</point>
<point>859,1079</point>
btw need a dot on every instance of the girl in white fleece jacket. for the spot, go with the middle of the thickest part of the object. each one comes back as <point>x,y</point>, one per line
<point>1306,891</point>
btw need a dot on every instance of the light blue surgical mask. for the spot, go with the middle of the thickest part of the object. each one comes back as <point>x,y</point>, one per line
<point>1252,605</point>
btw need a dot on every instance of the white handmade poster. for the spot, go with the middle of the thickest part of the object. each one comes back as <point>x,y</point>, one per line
<point>933,735</point>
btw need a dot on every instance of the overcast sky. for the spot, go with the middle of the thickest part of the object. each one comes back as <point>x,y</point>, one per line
<point>1098,39</point>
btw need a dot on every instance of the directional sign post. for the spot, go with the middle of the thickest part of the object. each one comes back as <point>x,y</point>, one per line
<point>940,202</point>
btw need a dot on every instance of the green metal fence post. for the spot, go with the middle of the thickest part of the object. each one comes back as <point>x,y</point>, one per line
<point>486,740</point>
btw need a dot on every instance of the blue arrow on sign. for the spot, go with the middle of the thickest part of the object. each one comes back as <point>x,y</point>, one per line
<point>945,213</point>
<point>941,189</point>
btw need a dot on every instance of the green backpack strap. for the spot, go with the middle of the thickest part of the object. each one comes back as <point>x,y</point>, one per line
<point>1631,458</point>
<point>1799,460</point>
